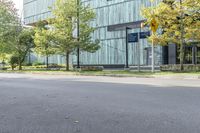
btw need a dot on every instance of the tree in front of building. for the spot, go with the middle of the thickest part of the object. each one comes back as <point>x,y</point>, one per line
<point>193,16</point>
<point>19,44</point>
<point>85,16</point>
<point>15,40</point>
<point>23,45</point>
<point>63,25</point>
<point>43,41</point>
<point>179,23</point>
<point>70,15</point>
<point>8,24</point>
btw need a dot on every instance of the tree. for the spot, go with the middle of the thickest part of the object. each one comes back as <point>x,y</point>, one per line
<point>4,51</point>
<point>63,27</point>
<point>192,14</point>
<point>85,16</point>
<point>43,40</point>
<point>65,23</point>
<point>24,44</point>
<point>15,40</point>
<point>8,26</point>
<point>178,21</point>
<point>9,18</point>
<point>19,44</point>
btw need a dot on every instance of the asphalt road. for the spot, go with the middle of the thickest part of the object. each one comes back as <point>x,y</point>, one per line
<point>59,104</point>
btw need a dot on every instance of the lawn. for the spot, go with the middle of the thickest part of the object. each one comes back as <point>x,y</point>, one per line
<point>115,73</point>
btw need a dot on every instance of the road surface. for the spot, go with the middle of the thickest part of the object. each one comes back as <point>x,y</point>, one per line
<point>70,104</point>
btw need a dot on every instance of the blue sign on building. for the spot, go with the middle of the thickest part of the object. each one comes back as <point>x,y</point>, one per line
<point>132,37</point>
<point>144,35</point>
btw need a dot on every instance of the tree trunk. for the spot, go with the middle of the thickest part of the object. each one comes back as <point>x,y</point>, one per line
<point>47,56</point>
<point>20,63</point>
<point>29,57</point>
<point>67,61</point>
<point>13,67</point>
<point>47,61</point>
<point>20,66</point>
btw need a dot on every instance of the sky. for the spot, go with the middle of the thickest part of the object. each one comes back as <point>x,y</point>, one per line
<point>19,5</point>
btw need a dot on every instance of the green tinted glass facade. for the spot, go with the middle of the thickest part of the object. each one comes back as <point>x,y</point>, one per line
<point>35,10</point>
<point>108,13</point>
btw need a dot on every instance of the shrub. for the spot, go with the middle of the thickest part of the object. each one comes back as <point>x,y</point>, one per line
<point>2,66</point>
<point>54,66</point>
<point>27,64</point>
<point>91,68</point>
<point>13,62</point>
<point>176,67</point>
<point>38,63</point>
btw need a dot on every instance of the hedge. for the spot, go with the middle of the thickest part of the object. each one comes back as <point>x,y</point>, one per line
<point>92,68</point>
<point>186,67</point>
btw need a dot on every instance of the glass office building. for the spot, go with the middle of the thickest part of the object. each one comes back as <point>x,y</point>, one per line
<point>112,18</point>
